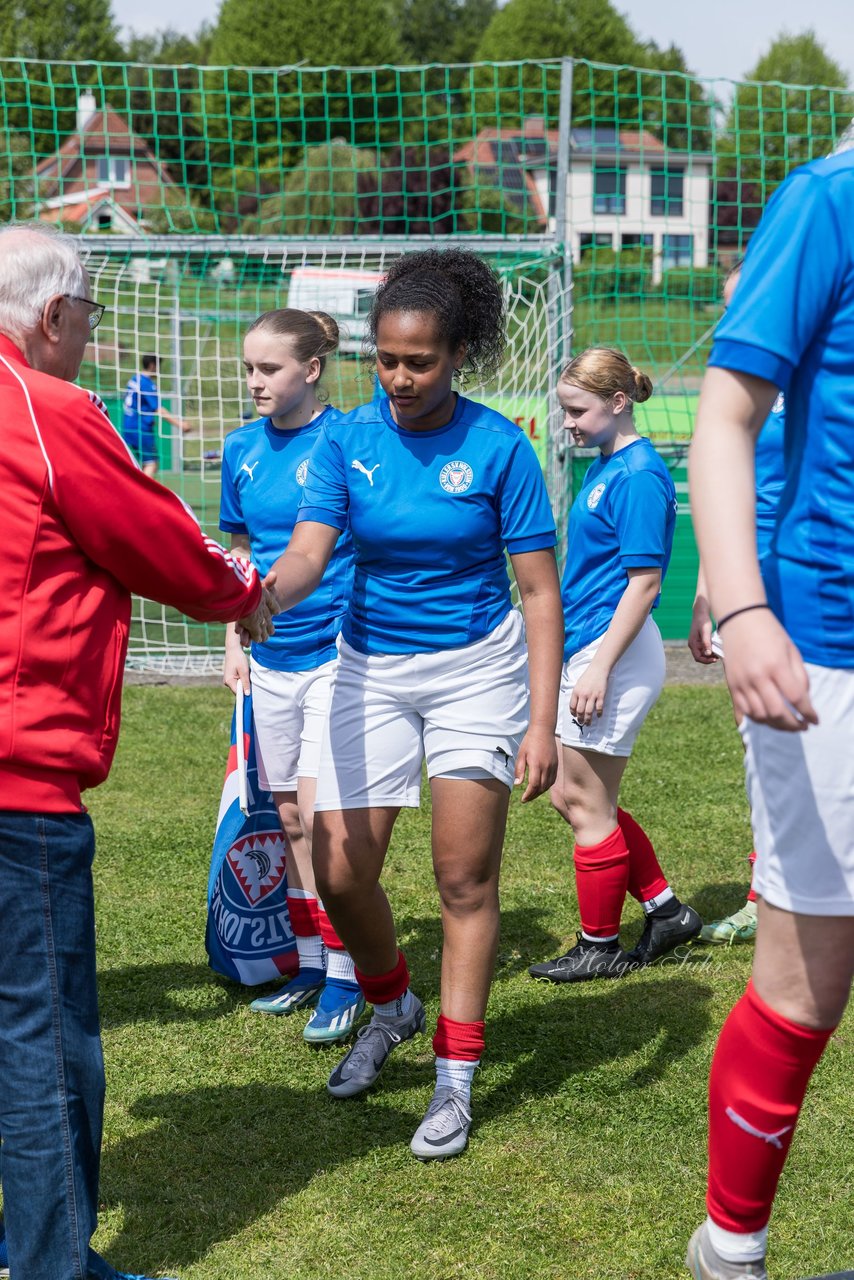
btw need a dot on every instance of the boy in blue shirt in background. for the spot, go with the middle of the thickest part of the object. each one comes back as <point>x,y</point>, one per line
<point>142,406</point>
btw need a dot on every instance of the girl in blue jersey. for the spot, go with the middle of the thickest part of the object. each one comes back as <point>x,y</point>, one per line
<point>705,644</point>
<point>619,541</point>
<point>433,658</point>
<point>263,471</point>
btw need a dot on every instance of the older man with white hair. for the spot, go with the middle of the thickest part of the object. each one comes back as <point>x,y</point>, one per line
<point>83,527</point>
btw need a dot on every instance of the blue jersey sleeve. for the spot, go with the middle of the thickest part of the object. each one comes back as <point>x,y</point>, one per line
<point>789,284</point>
<point>230,513</point>
<point>527,523</point>
<point>639,505</point>
<point>325,497</point>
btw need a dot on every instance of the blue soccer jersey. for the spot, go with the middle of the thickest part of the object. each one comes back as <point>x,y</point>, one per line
<point>431,513</point>
<point>141,404</point>
<point>791,322</point>
<point>770,474</point>
<point>622,519</point>
<point>263,473</point>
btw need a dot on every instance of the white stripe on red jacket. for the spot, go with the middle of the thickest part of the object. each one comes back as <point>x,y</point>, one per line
<point>82,528</point>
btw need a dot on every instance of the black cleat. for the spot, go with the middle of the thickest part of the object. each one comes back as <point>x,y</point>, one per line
<point>586,960</point>
<point>662,933</point>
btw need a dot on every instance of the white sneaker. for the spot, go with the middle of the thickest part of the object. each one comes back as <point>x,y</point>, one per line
<point>705,1263</point>
<point>444,1131</point>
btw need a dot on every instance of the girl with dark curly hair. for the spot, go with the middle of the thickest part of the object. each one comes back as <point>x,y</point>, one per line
<point>433,659</point>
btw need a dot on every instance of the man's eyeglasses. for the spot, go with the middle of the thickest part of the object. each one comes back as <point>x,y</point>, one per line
<point>97,312</point>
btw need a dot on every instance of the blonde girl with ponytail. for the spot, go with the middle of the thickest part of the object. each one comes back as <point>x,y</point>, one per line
<point>620,538</point>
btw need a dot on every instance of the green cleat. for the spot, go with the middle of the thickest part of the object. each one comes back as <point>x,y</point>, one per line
<point>739,927</point>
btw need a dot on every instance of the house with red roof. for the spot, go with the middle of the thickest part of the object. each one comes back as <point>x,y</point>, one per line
<point>104,177</point>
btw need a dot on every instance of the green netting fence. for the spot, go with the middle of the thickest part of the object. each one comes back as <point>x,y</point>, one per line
<point>612,201</point>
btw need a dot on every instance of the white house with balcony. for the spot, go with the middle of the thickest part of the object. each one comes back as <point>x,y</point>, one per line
<point>624,188</point>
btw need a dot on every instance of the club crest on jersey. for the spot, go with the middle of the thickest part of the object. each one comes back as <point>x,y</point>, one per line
<point>302,471</point>
<point>594,495</point>
<point>456,477</point>
<point>258,863</point>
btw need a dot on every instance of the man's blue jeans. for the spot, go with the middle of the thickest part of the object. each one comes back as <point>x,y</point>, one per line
<point>51,1066</point>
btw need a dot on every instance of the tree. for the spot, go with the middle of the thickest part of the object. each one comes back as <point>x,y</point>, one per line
<point>446,31</point>
<point>59,30</point>
<point>298,31</point>
<point>608,87</point>
<point>416,191</point>
<point>319,195</point>
<point>536,29</point>
<point>771,127</point>
<point>170,47</point>
<point>16,177</point>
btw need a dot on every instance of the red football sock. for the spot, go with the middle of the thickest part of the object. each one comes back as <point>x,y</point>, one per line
<point>462,1041</point>
<point>646,879</point>
<point>601,877</point>
<point>382,988</point>
<point>327,931</point>
<point>304,914</point>
<point>752,895</point>
<point>760,1072</point>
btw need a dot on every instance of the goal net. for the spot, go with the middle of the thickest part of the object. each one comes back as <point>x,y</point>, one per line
<point>189,300</point>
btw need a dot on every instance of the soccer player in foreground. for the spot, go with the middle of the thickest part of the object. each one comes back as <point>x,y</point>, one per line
<point>264,468</point>
<point>789,636</point>
<point>706,646</point>
<point>433,659</point>
<point>83,528</point>
<point>619,543</point>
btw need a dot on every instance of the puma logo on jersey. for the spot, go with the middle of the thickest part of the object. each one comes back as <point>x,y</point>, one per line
<point>249,470</point>
<point>356,465</point>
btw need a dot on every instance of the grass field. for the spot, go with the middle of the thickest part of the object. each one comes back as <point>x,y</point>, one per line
<point>226,1160</point>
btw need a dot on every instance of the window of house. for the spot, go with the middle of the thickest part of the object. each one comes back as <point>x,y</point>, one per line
<point>677,251</point>
<point>113,169</point>
<point>609,189</point>
<point>632,240</point>
<point>590,241</point>
<point>667,198</point>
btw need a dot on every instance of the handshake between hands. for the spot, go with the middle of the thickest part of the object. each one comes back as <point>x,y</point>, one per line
<point>258,626</point>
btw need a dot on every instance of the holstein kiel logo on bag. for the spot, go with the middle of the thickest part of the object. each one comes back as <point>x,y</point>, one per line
<point>248,936</point>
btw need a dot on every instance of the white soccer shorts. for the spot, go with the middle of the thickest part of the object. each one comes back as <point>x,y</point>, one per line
<point>289,710</point>
<point>801,792</point>
<point>633,689</point>
<point>464,710</point>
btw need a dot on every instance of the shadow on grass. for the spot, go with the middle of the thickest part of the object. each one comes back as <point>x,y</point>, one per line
<point>714,901</point>
<point>524,939</point>
<point>215,1159</point>
<point>165,993</point>
<point>572,1034</point>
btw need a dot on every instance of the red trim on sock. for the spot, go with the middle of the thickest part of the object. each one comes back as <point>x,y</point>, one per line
<point>327,932</point>
<point>601,877</point>
<point>760,1073</point>
<point>462,1041</point>
<point>382,988</point>
<point>752,895</point>
<point>646,879</point>
<point>304,916</point>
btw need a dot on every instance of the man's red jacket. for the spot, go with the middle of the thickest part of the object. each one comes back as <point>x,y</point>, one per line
<point>82,527</point>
